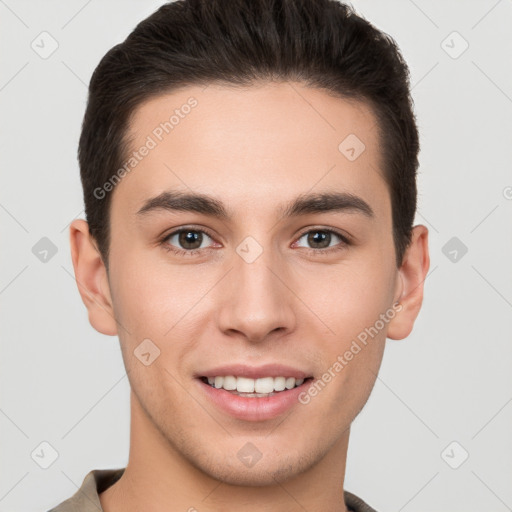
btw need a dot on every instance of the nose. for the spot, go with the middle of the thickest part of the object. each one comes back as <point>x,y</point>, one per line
<point>256,299</point>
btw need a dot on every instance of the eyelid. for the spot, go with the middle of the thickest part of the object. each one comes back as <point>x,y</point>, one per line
<point>191,227</point>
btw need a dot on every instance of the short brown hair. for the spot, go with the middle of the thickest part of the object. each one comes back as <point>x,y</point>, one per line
<point>321,43</point>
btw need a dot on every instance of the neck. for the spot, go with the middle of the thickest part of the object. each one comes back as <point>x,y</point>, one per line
<point>157,476</point>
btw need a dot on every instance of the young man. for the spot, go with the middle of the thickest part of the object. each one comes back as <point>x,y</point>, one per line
<point>249,180</point>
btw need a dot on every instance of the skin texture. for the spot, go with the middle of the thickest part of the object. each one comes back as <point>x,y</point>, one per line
<point>254,148</point>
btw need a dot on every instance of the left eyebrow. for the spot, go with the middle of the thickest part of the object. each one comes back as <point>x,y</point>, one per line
<point>327,202</point>
<point>302,205</point>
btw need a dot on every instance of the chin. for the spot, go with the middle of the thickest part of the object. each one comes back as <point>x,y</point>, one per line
<point>263,475</point>
<point>265,472</point>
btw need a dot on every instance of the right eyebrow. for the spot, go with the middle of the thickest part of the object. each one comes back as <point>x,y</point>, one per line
<point>180,201</point>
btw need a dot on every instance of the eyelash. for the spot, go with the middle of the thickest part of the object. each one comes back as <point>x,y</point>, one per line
<point>182,252</point>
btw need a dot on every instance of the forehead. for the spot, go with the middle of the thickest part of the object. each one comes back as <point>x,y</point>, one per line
<point>252,145</point>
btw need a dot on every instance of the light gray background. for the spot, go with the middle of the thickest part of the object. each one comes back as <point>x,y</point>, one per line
<point>451,380</point>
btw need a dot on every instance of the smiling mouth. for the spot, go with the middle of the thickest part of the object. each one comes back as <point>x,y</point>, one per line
<point>254,388</point>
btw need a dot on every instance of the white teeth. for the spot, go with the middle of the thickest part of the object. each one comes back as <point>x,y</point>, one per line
<point>263,385</point>
<point>290,383</point>
<point>279,383</point>
<point>244,385</point>
<point>229,383</point>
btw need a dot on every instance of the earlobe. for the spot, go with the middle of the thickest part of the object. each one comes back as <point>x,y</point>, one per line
<point>412,275</point>
<point>91,278</point>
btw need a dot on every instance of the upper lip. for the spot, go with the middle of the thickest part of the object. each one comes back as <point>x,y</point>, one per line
<point>255,372</point>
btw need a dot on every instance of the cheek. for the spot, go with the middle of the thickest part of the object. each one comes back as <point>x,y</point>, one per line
<point>350,298</point>
<point>162,303</point>
<point>147,299</point>
<point>150,308</point>
<point>351,304</point>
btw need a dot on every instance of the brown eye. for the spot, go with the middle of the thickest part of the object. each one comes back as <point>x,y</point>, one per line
<point>190,239</point>
<point>319,239</point>
<point>186,240</point>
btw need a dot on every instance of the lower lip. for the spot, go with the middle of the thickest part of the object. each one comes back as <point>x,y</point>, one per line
<point>254,408</point>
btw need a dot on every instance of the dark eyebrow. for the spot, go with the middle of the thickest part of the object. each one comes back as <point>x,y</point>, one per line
<point>302,205</point>
<point>327,202</point>
<point>187,202</point>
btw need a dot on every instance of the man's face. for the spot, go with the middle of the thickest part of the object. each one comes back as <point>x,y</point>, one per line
<point>262,287</point>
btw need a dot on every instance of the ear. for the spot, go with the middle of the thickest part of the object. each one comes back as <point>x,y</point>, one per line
<point>411,276</point>
<point>91,278</point>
